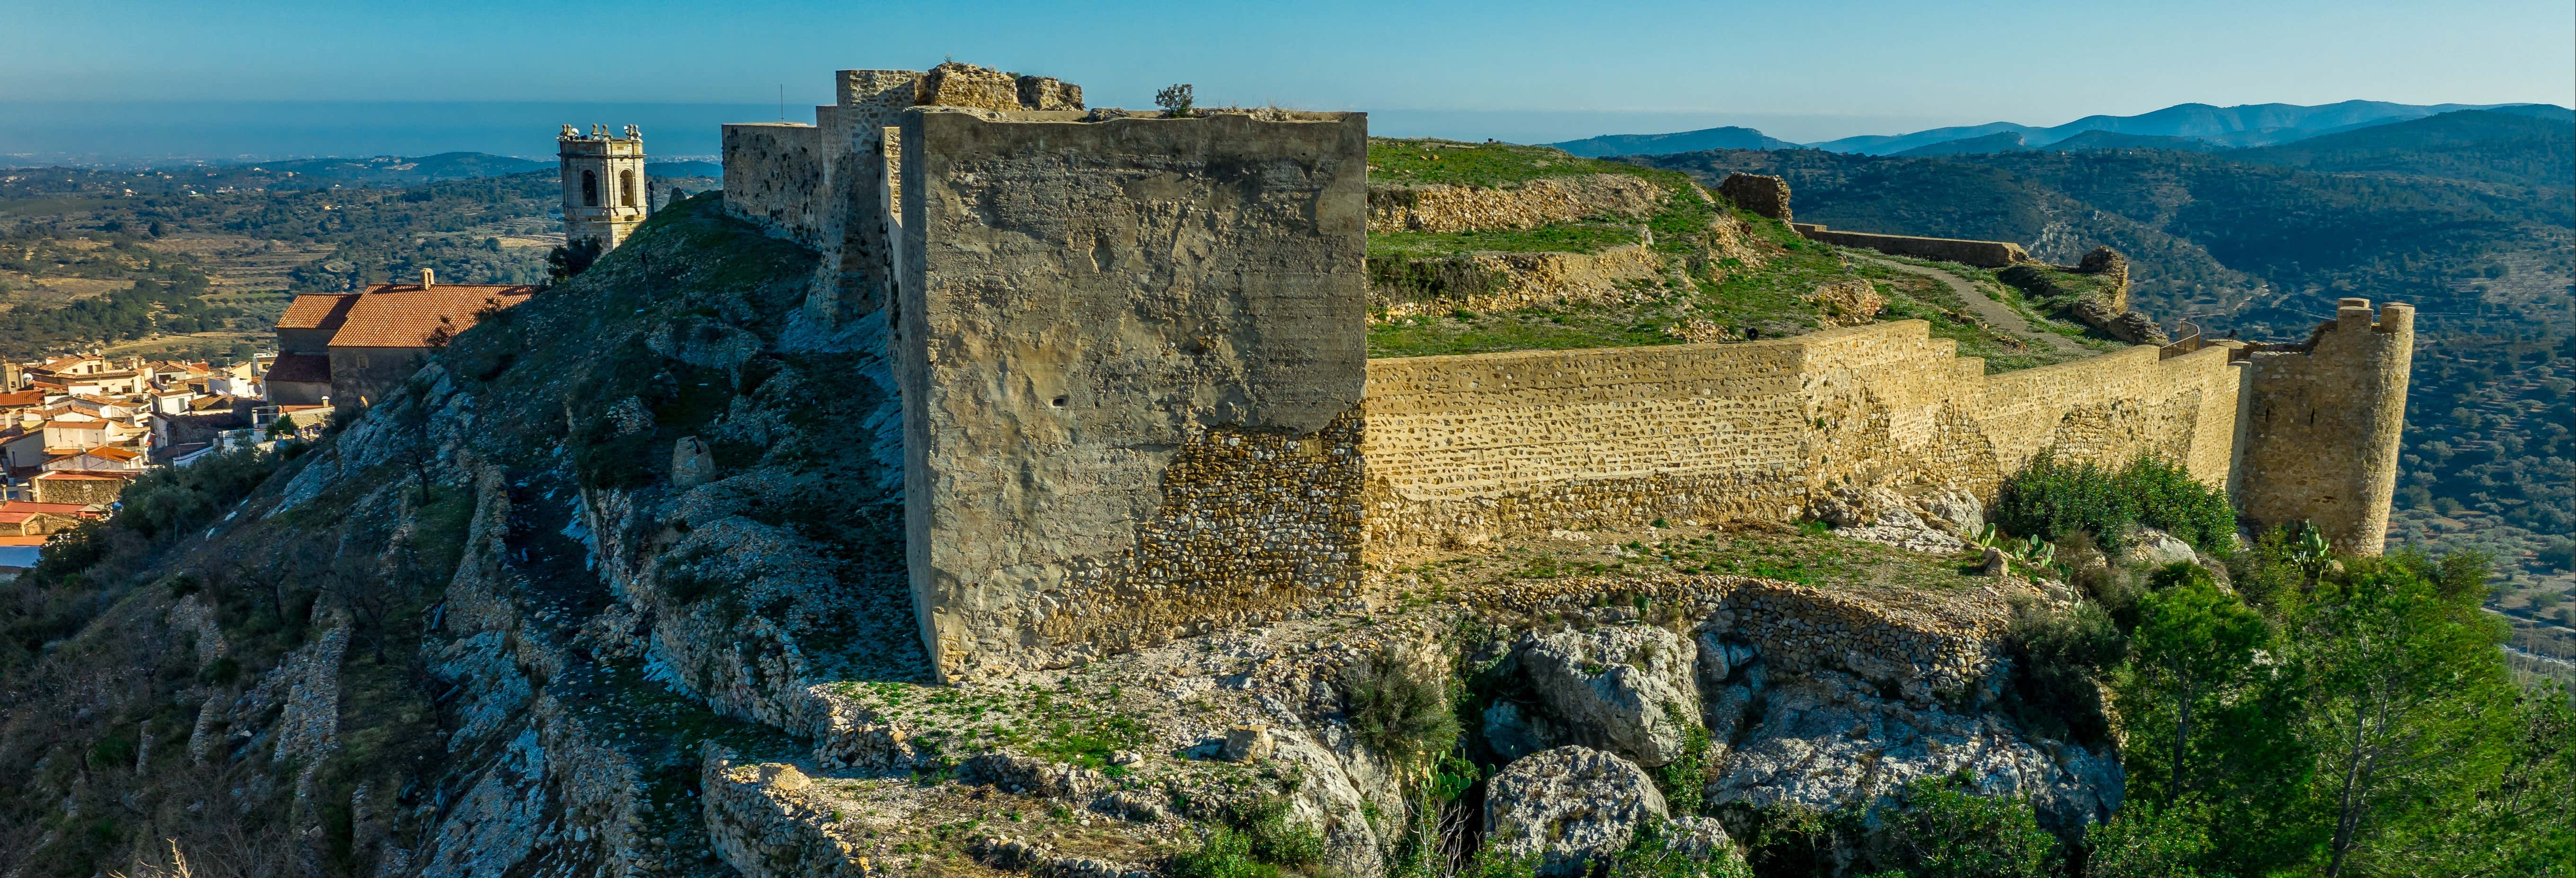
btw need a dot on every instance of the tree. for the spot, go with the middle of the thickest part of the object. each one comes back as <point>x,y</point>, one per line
<point>574,257</point>
<point>2407,701</point>
<point>2209,717</point>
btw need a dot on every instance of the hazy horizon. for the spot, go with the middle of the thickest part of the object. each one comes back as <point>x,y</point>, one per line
<point>168,78</point>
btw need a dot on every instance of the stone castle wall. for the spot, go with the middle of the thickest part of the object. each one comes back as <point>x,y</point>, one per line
<point>1444,208</point>
<point>1982,254</point>
<point>1137,404</point>
<point>1131,351</point>
<point>1466,449</point>
<point>773,177</point>
<point>2325,418</point>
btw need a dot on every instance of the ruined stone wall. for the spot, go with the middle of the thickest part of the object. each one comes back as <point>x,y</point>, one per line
<point>1982,254</point>
<point>773,176</point>
<point>1466,449</point>
<point>1130,353</point>
<point>1762,194</point>
<point>2324,423</point>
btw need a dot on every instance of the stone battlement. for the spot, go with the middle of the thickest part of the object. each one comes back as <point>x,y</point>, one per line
<point>1137,405</point>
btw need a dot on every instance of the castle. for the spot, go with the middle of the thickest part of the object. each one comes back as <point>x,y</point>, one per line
<point>1137,402</point>
<point>604,195</point>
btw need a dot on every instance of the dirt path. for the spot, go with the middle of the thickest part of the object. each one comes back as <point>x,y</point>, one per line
<point>1994,313</point>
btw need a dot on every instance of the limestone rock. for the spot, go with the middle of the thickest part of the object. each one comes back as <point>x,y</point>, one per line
<point>1620,688</point>
<point>1702,838</point>
<point>1997,563</point>
<point>1247,744</point>
<point>1849,302</point>
<point>1828,740</point>
<point>1569,806</point>
<point>2155,548</point>
<point>1951,508</point>
<point>692,464</point>
<point>1513,731</point>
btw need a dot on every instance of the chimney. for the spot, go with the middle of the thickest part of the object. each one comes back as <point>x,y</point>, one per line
<point>428,278</point>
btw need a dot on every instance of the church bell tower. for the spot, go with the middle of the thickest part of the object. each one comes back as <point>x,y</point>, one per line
<point>603,184</point>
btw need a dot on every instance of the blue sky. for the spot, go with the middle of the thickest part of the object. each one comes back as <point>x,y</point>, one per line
<point>1805,71</point>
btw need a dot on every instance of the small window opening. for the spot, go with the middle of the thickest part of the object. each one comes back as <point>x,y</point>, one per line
<point>1059,402</point>
<point>589,189</point>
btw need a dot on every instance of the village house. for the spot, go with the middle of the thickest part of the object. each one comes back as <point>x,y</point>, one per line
<point>91,490</point>
<point>349,348</point>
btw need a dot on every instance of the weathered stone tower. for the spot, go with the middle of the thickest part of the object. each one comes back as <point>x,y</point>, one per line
<point>603,184</point>
<point>2324,420</point>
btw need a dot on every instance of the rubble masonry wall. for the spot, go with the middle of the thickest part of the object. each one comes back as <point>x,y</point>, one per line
<point>1131,354</point>
<point>2322,442</point>
<point>1466,449</point>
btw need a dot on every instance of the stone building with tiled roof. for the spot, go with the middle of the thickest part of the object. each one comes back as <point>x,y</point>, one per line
<point>348,348</point>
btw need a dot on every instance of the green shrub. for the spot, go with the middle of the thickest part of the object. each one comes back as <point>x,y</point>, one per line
<point>1224,853</point>
<point>2053,499</point>
<point>1649,854</point>
<point>1684,780</point>
<point>2058,657</point>
<point>1398,710</point>
<point>1946,830</point>
<point>2144,841</point>
<point>1271,837</point>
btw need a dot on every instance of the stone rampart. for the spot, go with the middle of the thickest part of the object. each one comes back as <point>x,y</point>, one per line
<point>1466,449</point>
<point>773,177</point>
<point>2323,426</point>
<point>1131,353</point>
<point>1982,254</point>
<point>1761,194</point>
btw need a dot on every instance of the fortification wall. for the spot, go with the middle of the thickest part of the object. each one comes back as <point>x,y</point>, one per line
<point>1499,281</point>
<point>773,177</point>
<point>1131,353</point>
<point>1462,450</point>
<point>1982,254</point>
<point>2324,424</point>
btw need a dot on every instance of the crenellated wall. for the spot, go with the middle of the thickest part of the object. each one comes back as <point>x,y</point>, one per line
<point>1466,449</point>
<point>2324,424</point>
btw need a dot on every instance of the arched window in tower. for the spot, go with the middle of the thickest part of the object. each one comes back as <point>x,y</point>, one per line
<point>589,189</point>
<point>626,188</point>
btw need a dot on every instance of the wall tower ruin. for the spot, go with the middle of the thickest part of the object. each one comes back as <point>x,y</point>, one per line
<point>603,184</point>
<point>2323,423</point>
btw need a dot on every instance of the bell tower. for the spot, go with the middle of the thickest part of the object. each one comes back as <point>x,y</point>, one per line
<point>603,184</point>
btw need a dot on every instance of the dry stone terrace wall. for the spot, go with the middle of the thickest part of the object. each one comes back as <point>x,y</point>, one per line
<point>1130,352</point>
<point>1462,450</point>
<point>1444,208</point>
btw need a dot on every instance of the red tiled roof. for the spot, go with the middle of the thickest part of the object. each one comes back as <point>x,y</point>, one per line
<point>23,541</point>
<point>404,316</point>
<point>320,311</point>
<point>33,506</point>
<point>112,452</point>
<point>86,475</point>
<point>312,368</point>
<point>22,399</point>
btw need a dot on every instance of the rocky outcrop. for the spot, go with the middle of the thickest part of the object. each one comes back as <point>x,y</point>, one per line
<point>1569,807</point>
<point>1528,205</point>
<point>1626,689</point>
<point>1502,281</point>
<point>1850,302</point>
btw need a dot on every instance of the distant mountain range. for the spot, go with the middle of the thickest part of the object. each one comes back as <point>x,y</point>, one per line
<point>1686,141</point>
<point>2197,127</point>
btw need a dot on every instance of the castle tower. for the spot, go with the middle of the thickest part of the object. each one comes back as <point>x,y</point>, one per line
<point>603,184</point>
<point>2325,421</point>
